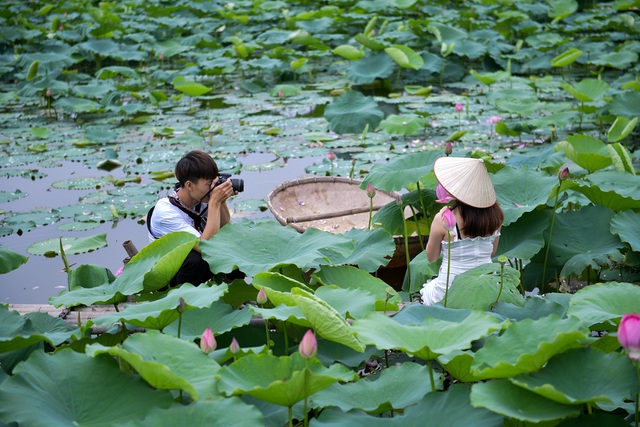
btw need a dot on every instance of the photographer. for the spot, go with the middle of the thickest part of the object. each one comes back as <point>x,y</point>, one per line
<point>195,205</point>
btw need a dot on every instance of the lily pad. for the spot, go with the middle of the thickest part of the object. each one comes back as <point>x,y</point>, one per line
<point>70,245</point>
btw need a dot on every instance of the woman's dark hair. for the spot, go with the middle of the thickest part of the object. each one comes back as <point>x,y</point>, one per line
<point>195,165</point>
<point>479,221</point>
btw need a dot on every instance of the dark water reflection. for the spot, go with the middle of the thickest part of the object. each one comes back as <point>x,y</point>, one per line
<point>40,278</point>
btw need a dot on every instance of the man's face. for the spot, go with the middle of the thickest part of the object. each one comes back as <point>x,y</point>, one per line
<point>202,187</point>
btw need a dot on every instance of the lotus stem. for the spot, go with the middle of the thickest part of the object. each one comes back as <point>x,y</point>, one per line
<point>546,253</point>
<point>370,212</point>
<point>406,242</point>
<point>306,394</point>
<point>637,394</point>
<point>415,219</point>
<point>446,289</point>
<point>501,280</point>
<point>433,383</point>
<point>179,324</point>
<point>290,416</point>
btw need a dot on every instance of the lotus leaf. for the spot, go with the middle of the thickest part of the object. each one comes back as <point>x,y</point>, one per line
<point>402,125</point>
<point>587,90</point>
<point>405,57</point>
<point>577,251</point>
<point>213,413</point>
<point>428,339</point>
<point>621,158</point>
<point>235,245</point>
<point>398,387</point>
<point>10,260</point>
<point>70,245</point>
<point>583,375</point>
<point>481,286</point>
<point>625,104</point>
<point>566,58</point>
<point>502,397</point>
<point>626,225</point>
<point>52,391</point>
<point>604,302</point>
<point>527,345</point>
<point>162,312</point>
<point>166,362</point>
<point>399,173</point>
<point>524,238</point>
<point>282,380</point>
<point>352,112</point>
<point>586,151</point>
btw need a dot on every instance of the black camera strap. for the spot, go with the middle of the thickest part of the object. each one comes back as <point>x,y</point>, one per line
<point>198,221</point>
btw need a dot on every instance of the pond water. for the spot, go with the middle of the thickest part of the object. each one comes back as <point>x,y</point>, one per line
<point>41,277</point>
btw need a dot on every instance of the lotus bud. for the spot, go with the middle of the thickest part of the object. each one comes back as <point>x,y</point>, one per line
<point>563,173</point>
<point>629,334</point>
<point>442,195</point>
<point>262,297</point>
<point>161,56</point>
<point>234,348</point>
<point>459,108</point>
<point>331,156</point>
<point>208,341</point>
<point>280,94</point>
<point>308,346</point>
<point>448,149</point>
<point>494,119</point>
<point>448,220</point>
<point>181,305</point>
<point>371,192</point>
<point>48,92</point>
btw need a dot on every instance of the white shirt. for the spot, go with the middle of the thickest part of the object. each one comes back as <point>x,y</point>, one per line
<point>167,218</point>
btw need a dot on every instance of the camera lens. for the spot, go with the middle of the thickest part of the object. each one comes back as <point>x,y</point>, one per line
<point>237,184</point>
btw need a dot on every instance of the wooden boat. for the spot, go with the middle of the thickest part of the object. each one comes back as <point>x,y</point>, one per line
<point>334,204</point>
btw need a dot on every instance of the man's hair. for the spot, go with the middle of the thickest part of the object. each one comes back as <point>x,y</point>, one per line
<point>480,221</point>
<point>194,166</point>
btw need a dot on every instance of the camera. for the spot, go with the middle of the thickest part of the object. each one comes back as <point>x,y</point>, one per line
<point>236,183</point>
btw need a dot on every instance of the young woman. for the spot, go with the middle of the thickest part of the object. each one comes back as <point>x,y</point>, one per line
<point>473,222</point>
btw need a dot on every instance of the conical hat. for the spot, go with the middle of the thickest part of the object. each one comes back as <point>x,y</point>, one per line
<point>466,179</point>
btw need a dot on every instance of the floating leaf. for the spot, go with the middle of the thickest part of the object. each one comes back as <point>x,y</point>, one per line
<point>352,112</point>
<point>71,245</point>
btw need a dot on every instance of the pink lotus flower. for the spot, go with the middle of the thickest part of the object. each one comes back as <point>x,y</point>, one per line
<point>208,341</point>
<point>563,173</point>
<point>48,92</point>
<point>262,297</point>
<point>442,195</point>
<point>459,108</point>
<point>448,220</point>
<point>234,348</point>
<point>448,149</point>
<point>119,272</point>
<point>331,156</point>
<point>371,191</point>
<point>494,119</point>
<point>629,334</point>
<point>308,346</point>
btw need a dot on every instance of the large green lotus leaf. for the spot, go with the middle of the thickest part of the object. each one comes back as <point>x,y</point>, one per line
<point>621,158</point>
<point>283,312</point>
<point>10,260</point>
<point>427,339</point>
<point>212,413</point>
<point>535,307</point>
<point>525,346</point>
<point>626,104</point>
<point>150,269</point>
<point>353,303</point>
<point>566,58</point>
<point>402,125</point>
<point>70,245</point>
<point>397,388</point>
<point>166,363</point>
<point>370,68</point>
<point>515,101</point>
<point>405,57</point>
<point>524,238</point>
<point>521,190</point>
<point>586,151</point>
<point>402,171</point>
<point>352,112</point>
<point>626,225</point>
<point>372,248</point>
<point>236,245</point>
<point>613,189</point>
<point>502,397</point>
<point>621,128</point>
<point>17,332</point>
<point>220,317</point>
<point>280,380</point>
<point>189,88</point>
<point>458,364</point>
<point>587,90</point>
<point>348,277</point>
<point>620,60</point>
<point>478,288</point>
<point>348,52</point>
<point>278,287</point>
<point>578,250</point>
<point>326,320</point>
<point>583,375</point>
<point>604,302</point>
<point>44,391</point>
<point>89,276</point>
<point>452,408</point>
<point>77,105</point>
<point>162,312</point>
